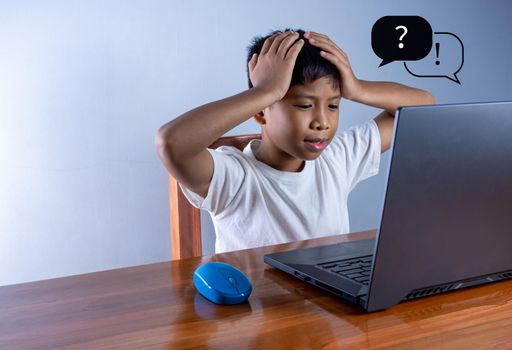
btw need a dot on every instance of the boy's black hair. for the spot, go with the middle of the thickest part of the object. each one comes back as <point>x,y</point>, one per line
<point>309,65</point>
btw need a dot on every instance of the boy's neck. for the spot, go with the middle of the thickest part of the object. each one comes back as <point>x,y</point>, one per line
<point>277,160</point>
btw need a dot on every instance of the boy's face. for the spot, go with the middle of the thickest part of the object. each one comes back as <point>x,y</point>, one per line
<point>302,124</point>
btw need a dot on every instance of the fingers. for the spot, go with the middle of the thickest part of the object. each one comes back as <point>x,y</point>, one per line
<point>286,43</point>
<point>323,42</point>
<point>267,44</point>
<point>293,52</point>
<point>330,57</point>
<point>252,62</point>
<point>308,34</point>
<point>270,44</point>
<point>278,43</point>
<point>339,61</point>
<point>329,50</point>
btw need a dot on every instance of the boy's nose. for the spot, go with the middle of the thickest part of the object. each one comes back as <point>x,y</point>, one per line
<point>320,125</point>
<point>321,122</point>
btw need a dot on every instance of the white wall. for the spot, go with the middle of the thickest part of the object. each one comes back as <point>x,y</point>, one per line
<point>84,85</point>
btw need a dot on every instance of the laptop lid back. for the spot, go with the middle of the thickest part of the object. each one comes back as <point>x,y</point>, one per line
<point>447,213</point>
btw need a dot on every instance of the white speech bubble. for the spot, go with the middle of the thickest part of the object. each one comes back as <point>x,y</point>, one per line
<point>443,63</point>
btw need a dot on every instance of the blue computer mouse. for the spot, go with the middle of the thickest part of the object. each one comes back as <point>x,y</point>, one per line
<point>222,283</point>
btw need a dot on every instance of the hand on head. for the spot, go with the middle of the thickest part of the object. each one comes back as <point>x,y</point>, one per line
<point>271,70</point>
<point>350,86</point>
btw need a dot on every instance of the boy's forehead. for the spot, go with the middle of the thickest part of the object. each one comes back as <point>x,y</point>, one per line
<point>321,88</point>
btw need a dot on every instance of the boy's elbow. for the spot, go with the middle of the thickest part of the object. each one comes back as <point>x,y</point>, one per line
<point>164,144</point>
<point>160,140</point>
<point>428,98</point>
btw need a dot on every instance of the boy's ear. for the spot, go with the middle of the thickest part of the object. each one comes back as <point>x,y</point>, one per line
<point>260,118</point>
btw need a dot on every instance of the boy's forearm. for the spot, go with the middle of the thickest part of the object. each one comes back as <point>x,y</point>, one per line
<point>389,95</point>
<point>194,131</point>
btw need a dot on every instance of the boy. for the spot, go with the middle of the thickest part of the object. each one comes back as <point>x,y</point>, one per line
<point>294,183</point>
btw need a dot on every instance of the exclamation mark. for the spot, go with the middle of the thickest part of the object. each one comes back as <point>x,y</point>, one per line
<point>437,54</point>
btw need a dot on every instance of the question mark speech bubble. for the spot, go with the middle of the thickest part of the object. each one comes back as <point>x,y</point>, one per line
<point>445,59</point>
<point>401,38</point>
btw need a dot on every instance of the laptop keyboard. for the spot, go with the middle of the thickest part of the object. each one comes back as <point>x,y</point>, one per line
<point>357,269</point>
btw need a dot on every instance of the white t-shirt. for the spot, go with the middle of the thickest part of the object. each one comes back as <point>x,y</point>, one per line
<point>253,204</point>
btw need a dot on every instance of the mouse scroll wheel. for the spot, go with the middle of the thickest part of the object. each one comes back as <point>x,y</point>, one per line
<point>233,282</point>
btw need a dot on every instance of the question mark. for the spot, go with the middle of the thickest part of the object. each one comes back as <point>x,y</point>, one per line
<point>401,45</point>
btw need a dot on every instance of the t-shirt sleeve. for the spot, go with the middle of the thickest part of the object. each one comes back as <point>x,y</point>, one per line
<point>228,175</point>
<point>359,147</point>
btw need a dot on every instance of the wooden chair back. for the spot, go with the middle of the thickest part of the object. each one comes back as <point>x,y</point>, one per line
<point>186,219</point>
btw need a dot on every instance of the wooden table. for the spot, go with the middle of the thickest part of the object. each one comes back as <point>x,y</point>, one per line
<point>156,307</point>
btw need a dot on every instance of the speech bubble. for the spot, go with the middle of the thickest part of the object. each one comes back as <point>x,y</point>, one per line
<point>401,38</point>
<point>445,59</point>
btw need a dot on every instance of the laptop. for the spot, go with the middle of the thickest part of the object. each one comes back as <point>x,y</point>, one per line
<point>446,218</point>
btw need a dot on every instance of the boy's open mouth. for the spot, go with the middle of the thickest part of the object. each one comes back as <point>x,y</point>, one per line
<point>315,144</point>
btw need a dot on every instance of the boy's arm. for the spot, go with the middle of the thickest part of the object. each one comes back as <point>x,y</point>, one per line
<point>181,143</point>
<point>389,96</point>
<point>386,95</point>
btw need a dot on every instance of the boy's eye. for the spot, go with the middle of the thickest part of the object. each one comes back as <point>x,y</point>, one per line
<point>333,106</point>
<point>303,106</point>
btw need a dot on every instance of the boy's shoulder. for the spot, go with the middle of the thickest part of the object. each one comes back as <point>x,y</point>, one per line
<point>232,154</point>
<point>355,135</point>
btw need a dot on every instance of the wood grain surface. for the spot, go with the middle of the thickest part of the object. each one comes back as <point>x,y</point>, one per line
<point>157,307</point>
